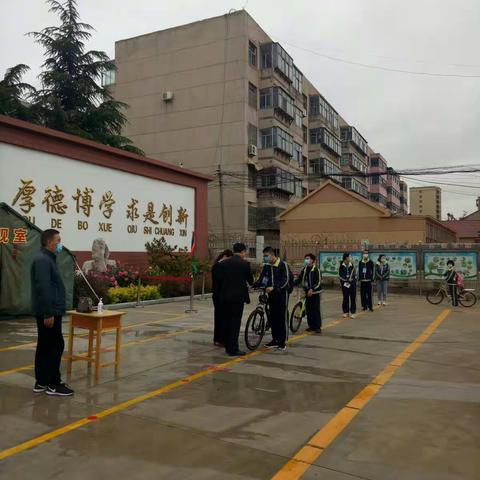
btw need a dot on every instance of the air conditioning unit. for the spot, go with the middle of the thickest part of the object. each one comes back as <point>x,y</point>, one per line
<point>167,96</point>
<point>252,150</point>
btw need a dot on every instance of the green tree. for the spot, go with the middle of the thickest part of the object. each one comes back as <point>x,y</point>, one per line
<point>71,97</point>
<point>15,94</point>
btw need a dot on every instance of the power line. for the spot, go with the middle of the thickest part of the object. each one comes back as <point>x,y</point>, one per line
<point>379,67</point>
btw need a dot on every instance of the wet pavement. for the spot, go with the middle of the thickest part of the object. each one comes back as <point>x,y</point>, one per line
<point>181,409</point>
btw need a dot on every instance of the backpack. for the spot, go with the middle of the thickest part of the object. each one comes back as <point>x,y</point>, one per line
<point>291,278</point>
<point>460,281</point>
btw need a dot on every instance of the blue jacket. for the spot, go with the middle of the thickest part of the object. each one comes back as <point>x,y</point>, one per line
<point>275,276</point>
<point>48,290</point>
<point>347,274</point>
<point>310,278</point>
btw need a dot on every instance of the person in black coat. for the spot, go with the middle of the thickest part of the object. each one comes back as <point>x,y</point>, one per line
<point>234,277</point>
<point>366,274</point>
<point>451,277</point>
<point>310,279</point>
<point>348,282</point>
<point>274,277</point>
<point>218,329</point>
<point>48,302</point>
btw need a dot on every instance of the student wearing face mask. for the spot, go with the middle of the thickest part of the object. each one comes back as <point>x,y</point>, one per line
<point>310,279</point>
<point>348,281</point>
<point>451,278</point>
<point>366,273</point>
<point>275,279</point>
<point>382,277</point>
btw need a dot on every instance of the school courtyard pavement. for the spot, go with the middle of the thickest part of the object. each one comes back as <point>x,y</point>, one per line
<point>393,394</point>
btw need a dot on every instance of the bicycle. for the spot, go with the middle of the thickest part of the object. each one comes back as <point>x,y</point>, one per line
<point>257,323</point>
<point>466,297</point>
<point>298,312</point>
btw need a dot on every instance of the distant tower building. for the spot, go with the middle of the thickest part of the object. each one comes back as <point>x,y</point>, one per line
<point>426,201</point>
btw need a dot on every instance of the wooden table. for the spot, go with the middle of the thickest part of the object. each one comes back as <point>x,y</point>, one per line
<point>96,323</point>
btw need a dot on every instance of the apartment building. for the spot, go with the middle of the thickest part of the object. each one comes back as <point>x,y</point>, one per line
<point>426,201</point>
<point>393,190</point>
<point>219,96</point>
<point>354,160</point>
<point>403,198</point>
<point>378,180</point>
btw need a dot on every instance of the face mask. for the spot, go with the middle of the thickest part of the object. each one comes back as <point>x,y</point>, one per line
<point>267,259</point>
<point>307,262</point>
<point>59,248</point>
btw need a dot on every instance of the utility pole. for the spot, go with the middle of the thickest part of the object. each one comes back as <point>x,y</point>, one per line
<point>222,206</point>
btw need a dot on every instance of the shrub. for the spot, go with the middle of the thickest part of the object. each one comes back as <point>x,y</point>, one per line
<point>129,294</point>
<point>165,260</point>
<point>100,285</point>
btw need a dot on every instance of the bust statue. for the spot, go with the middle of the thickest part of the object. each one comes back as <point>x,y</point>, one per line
<point>99,261</point>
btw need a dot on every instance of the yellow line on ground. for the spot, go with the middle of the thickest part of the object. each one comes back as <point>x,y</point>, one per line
<point>308,454</point>
<point>9,452</point>
<point>84,335</point>
<point>126,344</point>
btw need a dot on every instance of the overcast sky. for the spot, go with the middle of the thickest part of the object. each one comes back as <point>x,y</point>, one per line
<point>414,121</point>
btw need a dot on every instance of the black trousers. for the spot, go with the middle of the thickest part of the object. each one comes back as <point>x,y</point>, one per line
<point>278,303</point>
<point>349,304</point>
<point>48,356</point>
<point>312,306</point>
<point>453,289</point>
<point>366,295</point>
<point>218,319</point>
<point>232,318</point>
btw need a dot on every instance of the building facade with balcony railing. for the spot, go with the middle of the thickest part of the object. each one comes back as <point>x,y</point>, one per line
<point>244,107</point>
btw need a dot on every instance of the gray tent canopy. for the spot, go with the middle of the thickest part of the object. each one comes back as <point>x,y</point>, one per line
<point>19,242</point>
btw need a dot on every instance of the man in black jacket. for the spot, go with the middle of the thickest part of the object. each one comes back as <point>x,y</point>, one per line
<point>310,279</point>
<point>348,282</point>
<point>48,298</point>
<point>233,277</point>
<point>275,279</point>
<point>366,274</point>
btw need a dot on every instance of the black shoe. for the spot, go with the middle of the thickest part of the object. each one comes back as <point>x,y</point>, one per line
<point>39,388</point>
<point>318,330</point>
<point>62,390</point>
<point>238,353</point>
<point>371,309</point>
<point>272,344</point>
<point>365,309</point>
<point>309,329</point>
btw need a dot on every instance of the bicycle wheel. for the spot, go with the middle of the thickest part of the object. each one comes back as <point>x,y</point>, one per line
<point>254,329</point>
<point>435,296</point>
<point>296,317</point>
<point>467,299</point>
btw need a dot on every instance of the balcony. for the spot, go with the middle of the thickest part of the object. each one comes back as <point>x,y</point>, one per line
<point>276,179</point>
<point>319,107</point>
<point>324,168</point>
<point>350,134</point>
<point>273,56</point>
<point>354,162</point>
<point>355,186</point>
<point>322,136</point>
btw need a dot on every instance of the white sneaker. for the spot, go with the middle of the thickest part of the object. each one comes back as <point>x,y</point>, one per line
<point>352,315</point>
<point>384,303</point>
<point>379,303</point>
<point>345,315</point>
